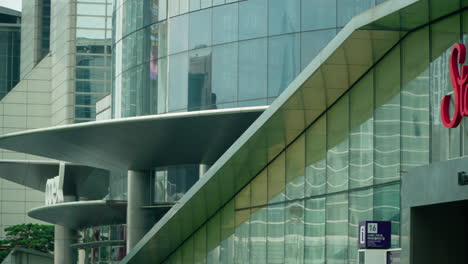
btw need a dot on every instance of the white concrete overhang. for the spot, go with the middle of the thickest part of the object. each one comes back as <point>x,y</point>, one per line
<point>79,180</point>
<point>139,143</point>
<point>360,45</point>
<point>82,213</point>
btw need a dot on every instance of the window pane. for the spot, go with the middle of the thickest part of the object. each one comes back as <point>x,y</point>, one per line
<point>258,234</point>
<point>337,145</point>
<point>276,180</point>
<point>199,81</point>
<point>362,130</point>
<point>283,62</point>
<point>284,16</point>
<point>242,253</point>
<point>445,142</point>
<point>318,14</point>
<point>294,248</point>
<point>259,189</point>
<point>253,70</point>
<point>187,251</point>
<point>178,34</point>
<point>360,209</point>
<point>225,73</point>
<point>415,123</point>
<point>225,23</point>
<point>387,208</point>
<point>276,234</point>
<point>337,228</point>
<point>199,246</point>
<point>295,164</point>
<point>387,118</point>
<point>200,29</point>
<point>178,82</point>
<point>227,233</point>
<point>312,43</point>
<point>213,237</point>
<point>314,231</point>
<point>253,19</point>
<point>347,9</point>
<point>316,153</point>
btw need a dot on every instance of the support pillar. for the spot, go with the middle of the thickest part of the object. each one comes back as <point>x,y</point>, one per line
<point>64,238</point>
<point>139,220</point>
<point>203,169</point>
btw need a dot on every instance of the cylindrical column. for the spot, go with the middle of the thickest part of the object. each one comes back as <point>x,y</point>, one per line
<point>64,238</point>
<point>203,169</point>
<point>139,220</point>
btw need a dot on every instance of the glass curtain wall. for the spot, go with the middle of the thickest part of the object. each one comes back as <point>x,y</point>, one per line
<point>93,56</point>
<point>10,45</point>
<point>104,244</point>
<point>188,55</point>
<point>346,167</point>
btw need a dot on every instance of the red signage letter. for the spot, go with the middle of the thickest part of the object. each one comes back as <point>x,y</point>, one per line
<point>459,84</point>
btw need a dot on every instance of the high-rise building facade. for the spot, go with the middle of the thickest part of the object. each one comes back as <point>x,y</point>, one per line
<point>263,131</point>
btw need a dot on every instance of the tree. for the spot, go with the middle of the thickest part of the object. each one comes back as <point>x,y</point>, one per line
<point>29,236</point>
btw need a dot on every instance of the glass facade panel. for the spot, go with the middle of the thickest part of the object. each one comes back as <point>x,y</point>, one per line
<point>199,246</point>
<point>316,158</point>
<point>277,180</point>
<point>314,231</point>
<point>213,239</point>
<point>225,23</point>
<point>283,62</point>
<point>283,16</point>
<point>387,208</point>
<point>360,209</point>
<point>178,34</point>
<point>415,110</point>
<point>178,82</point>
<point>258,235</point>
<point>200,29</point>
<point>200,94</point>
<point>294,233</point>
<point>276,232</point>
<point>387,119</point>
<point>253,21</point>
<point>171,183</point>
<point>338,146</point>
<point>318,14</point>
<point>225,74</point>
<point>312,43</point>
<point>362,128</point>
<point>351,157</point>
<point>253,72</point>
<point>227,233</point>
<point>295,164</point>
<point>347,9</point>
<point>337,228</point>
<point>445,142</point>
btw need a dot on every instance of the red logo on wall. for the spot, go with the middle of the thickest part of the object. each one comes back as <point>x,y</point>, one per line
<point>460,89</point>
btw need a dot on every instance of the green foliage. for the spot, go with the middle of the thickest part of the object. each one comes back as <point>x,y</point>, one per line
<point>29,236</point>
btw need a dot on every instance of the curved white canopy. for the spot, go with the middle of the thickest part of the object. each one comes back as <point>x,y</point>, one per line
<point>140,142</point>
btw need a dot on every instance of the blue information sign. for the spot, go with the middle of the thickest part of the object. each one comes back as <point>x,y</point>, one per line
<point>375,234</point>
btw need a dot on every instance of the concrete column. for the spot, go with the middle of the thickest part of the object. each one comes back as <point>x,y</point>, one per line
<point>139,220</point>
<point>203,169</point>
<point>64,238</point>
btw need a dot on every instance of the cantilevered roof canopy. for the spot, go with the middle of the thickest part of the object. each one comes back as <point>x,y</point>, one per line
<point>83,213</point>
<point>139,142</point>
<point>79,180</point>
<point>30,173</point>
<point>358,46</point>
